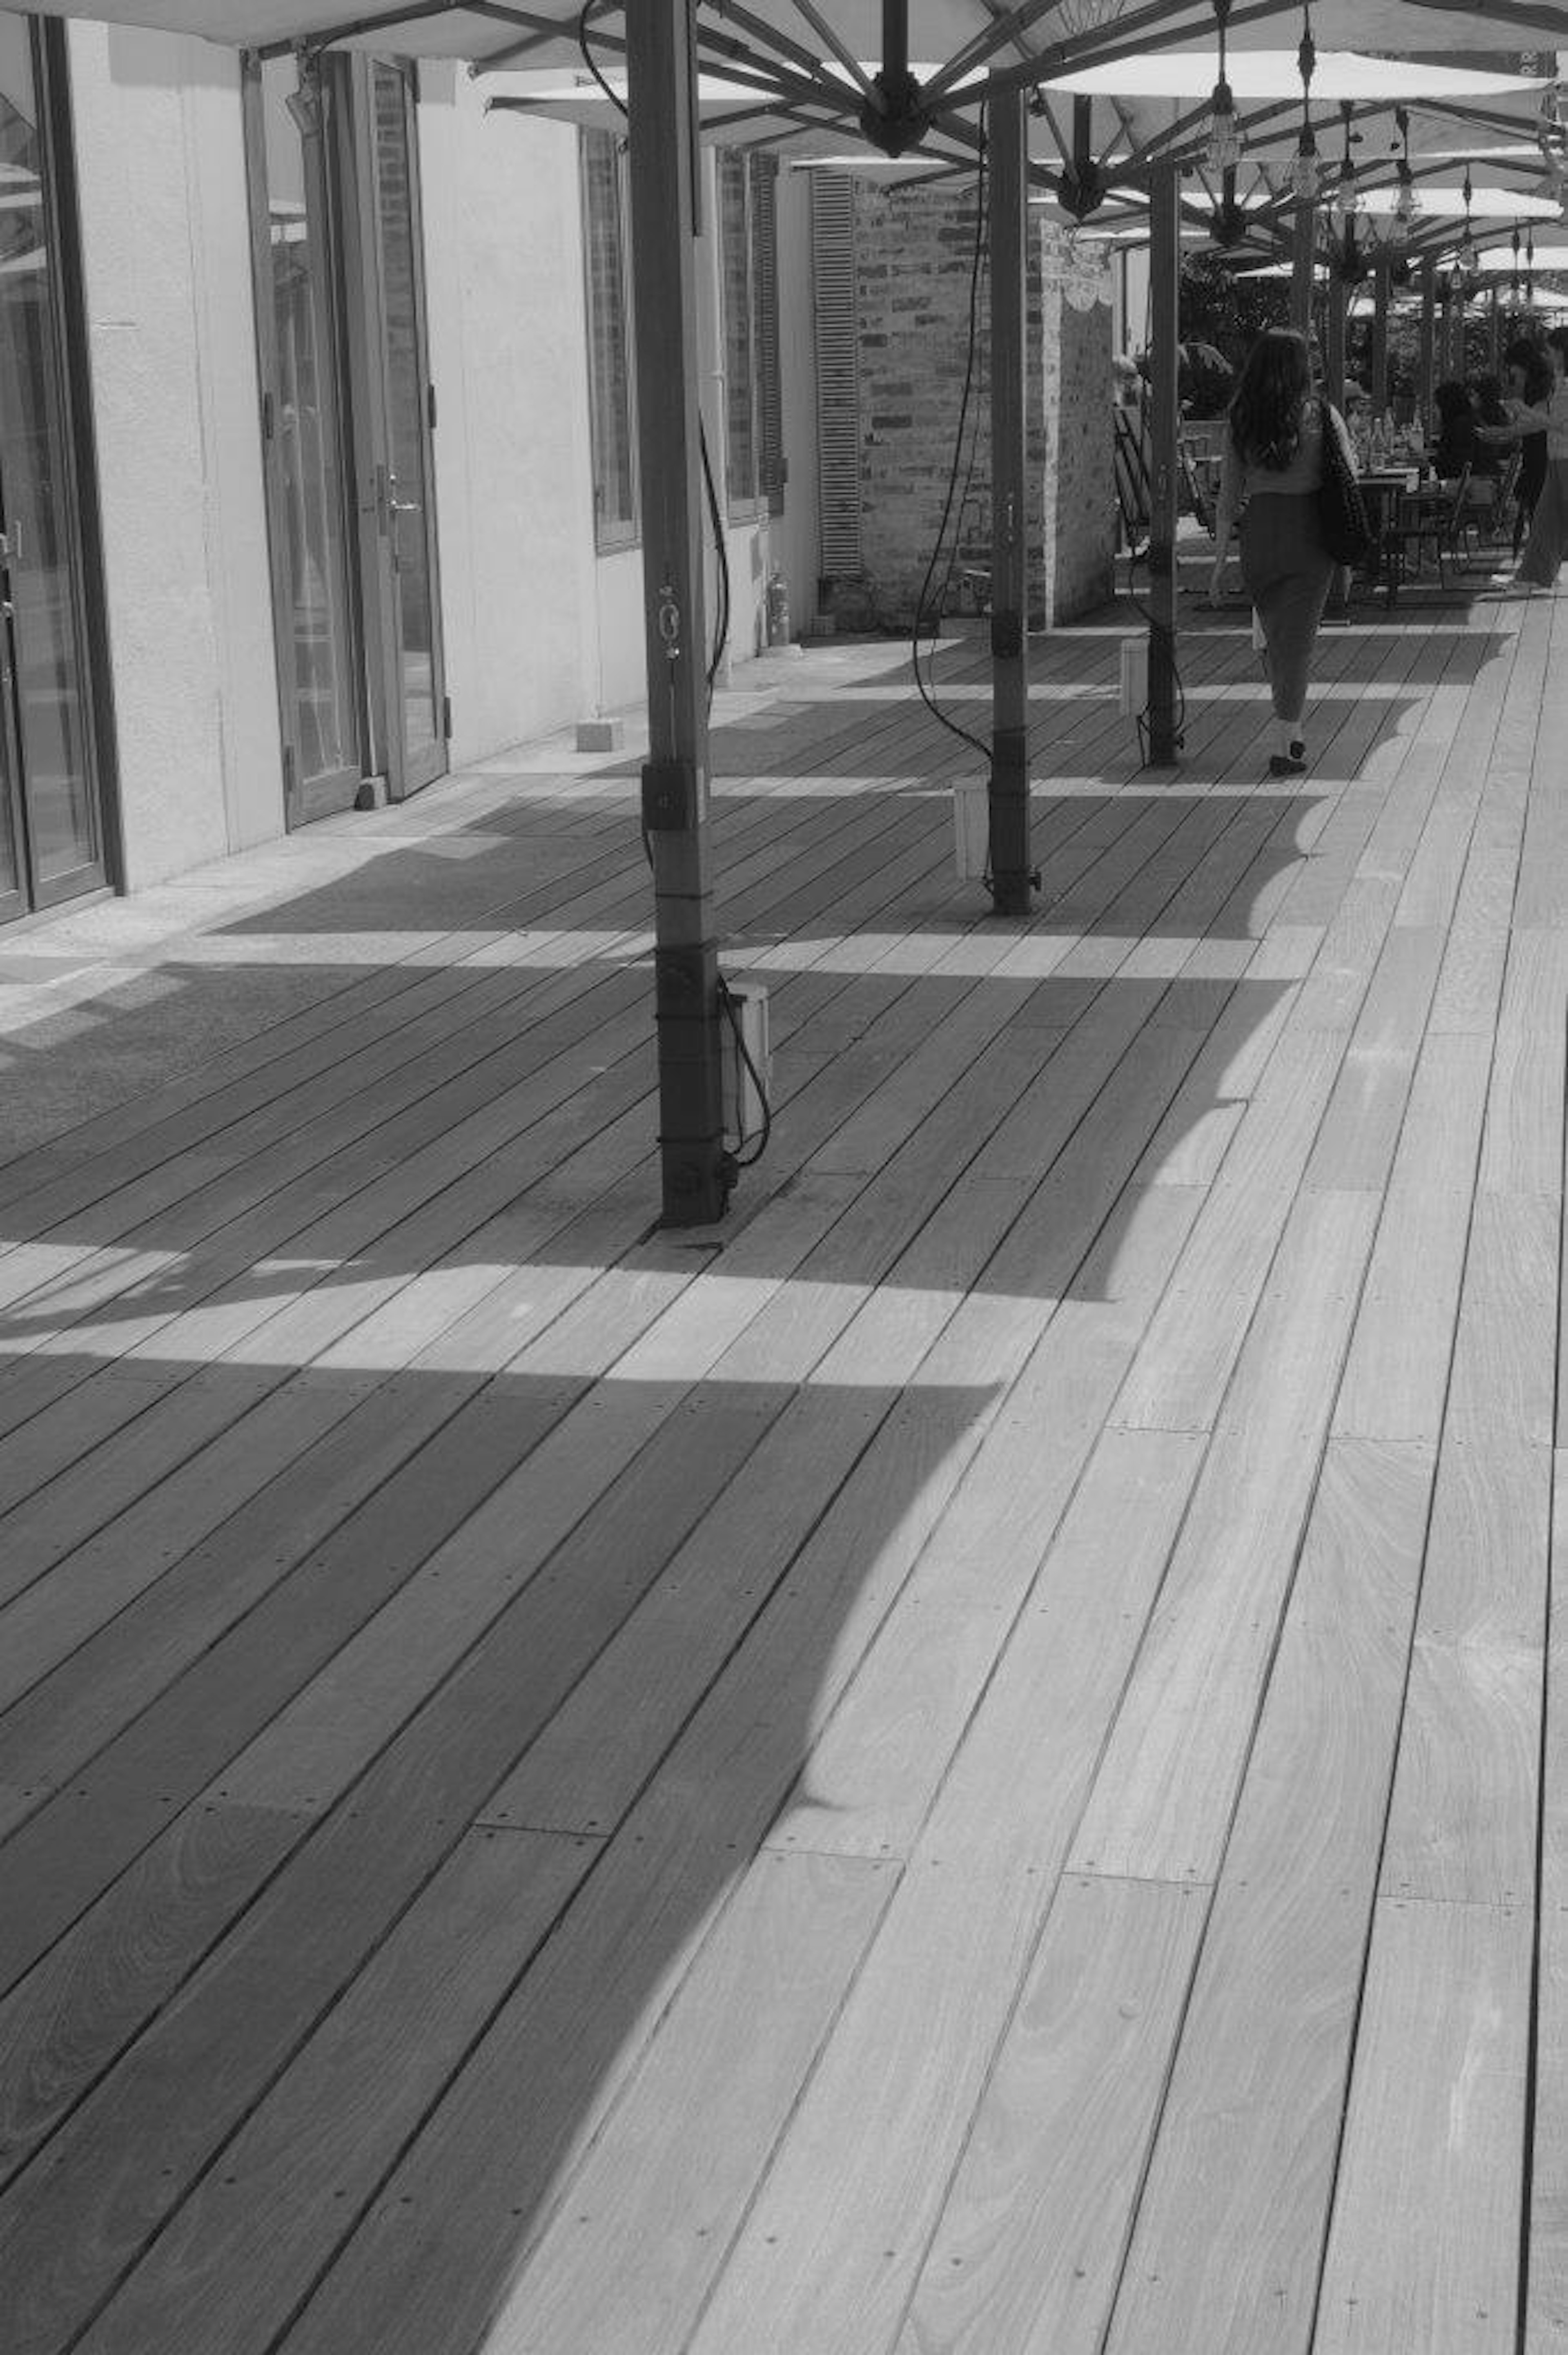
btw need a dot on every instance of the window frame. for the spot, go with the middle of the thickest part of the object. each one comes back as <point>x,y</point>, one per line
<point>612,533</point>
<point>763,493</point>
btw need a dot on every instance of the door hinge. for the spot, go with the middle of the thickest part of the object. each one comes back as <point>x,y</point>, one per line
<point>268,424</point>
<point>290,773</point>
<point>446,718</point>
<point>430,405</point>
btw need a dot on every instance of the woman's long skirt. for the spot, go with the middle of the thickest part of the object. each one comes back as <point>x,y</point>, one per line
<point>1548,541</point>
<point>1288,572</point>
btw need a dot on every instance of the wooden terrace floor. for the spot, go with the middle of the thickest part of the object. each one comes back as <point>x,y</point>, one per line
<point>965,1762</point>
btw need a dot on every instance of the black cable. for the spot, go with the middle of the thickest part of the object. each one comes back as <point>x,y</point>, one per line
<point>721,634</point>
<point>592,63</point>
<point>976,276</point>
<point>729,1003</point>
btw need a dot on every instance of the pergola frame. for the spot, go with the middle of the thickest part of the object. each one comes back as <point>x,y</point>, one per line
<point>807,75</point>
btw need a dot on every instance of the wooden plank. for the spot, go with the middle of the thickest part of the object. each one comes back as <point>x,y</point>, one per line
<point>1545,2317</point>
<point>1232,2216</point>
<point>1029,2248</point>
<point>245,2247</point>
<point>1463,1821</point>
<point>1397,1377</point>
<point>93,1993</point>
<point>639,2231</point>
<point>1425,2246</point>
<point>713,1797</point>
<point>1180,1375</point>
<point>1523,1152</point>
<point>1163,1794</point>
<point>1361,1122</point>
<point>835,2241</point>
<point>1505,1345</point>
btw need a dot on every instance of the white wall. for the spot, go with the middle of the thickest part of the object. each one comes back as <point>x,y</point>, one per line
<point>166,265</point>
<point>509,358</point>
<point>539,630</point>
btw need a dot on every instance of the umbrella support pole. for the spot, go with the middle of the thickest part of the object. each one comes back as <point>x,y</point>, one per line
<point>1164,299</point>
<point>1007,793</point>
<point>662,69</point>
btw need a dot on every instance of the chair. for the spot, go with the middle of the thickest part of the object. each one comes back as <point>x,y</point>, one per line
<point>1422,520</point>
<point>1194,462</point>
<point>1491,497</point>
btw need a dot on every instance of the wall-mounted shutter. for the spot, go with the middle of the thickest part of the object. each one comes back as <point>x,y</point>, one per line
<point>770,401</point>
<point>838,372</point>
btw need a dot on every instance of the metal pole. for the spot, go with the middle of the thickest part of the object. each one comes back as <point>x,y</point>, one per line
<point>1303,255</point>
<point>661,72</point>
<point>1426,378</point>
<point>1164,306</point>
<point>1379,385</point>
<point>1009,789</point>
<point>1335,303</point>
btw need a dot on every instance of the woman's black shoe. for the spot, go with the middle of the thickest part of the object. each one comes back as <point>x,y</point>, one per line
<point>1288,764</point>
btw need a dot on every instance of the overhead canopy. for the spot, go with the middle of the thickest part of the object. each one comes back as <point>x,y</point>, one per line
<point>1117,85</point>
<point>969,34</point>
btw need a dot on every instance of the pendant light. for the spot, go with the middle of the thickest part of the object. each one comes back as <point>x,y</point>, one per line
<point>1225,132</point>
<point>1227,222</point>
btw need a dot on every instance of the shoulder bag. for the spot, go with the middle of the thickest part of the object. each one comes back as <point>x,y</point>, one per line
<point>1341,510</point>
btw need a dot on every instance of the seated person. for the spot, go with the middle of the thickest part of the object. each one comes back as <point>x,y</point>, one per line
<point>1459,444</point>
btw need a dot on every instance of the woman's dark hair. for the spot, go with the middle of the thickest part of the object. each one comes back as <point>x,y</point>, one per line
<point>1558,339</point>
<point>1451,400</point>
<point>1265,408</point>
<point>1489,393</point>
<point>1526,355</point>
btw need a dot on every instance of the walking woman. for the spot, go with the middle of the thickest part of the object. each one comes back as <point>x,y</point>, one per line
<point>1274,462</point>
<point>1530,384</point>
<point>1548,541</point>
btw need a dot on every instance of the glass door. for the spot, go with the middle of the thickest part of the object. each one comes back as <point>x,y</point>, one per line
<point>404,404</point>
<point>51,824</point>
<point>347,414</point>
<point>309,465</point>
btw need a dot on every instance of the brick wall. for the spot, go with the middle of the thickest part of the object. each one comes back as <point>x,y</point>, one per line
<point>915,248</point>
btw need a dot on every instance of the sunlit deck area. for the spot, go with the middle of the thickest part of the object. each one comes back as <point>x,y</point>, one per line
<point>966,1761</point>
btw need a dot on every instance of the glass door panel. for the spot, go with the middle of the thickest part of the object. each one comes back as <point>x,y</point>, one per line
<point>308,474</point>
<point>416,683</point>
<point>51,840</point>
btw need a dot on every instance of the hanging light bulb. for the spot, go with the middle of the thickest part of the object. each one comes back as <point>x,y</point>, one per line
<point>1224,130</point>
<point>1529,265</point>
<point>1227,224</point>
<point>1304,175</point>
<point>1513,273</point>
<point>1346,196</point>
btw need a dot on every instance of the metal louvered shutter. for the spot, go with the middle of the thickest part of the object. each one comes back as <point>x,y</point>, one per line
<point>838,372</point>
<point>771,400</point>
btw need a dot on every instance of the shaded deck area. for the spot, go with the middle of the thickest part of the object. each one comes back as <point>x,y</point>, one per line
<point>968,1761</point>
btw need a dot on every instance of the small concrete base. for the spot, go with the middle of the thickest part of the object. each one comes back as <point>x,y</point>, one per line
<point>781,653</point>
<point>601,735</point>
<point>372,794</point>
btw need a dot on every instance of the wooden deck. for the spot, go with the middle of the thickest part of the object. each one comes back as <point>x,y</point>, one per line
<point>965,1762</point>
